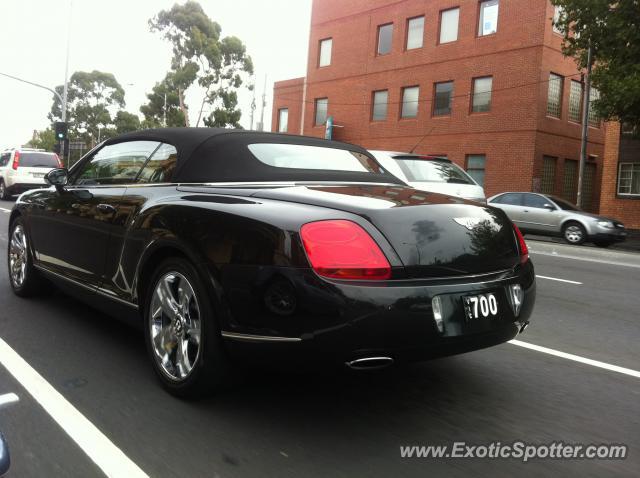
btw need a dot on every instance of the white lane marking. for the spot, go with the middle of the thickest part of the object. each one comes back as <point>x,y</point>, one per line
<point>8,399</point>
<point>577,358</point>
<point>585,259</point>
<point>5,210</point>
<point>108,457</point>
<point>559,280</point>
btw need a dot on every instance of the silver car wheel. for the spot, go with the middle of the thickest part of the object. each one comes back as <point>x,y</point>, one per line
<point>18,256</point>
<point>175,326</point>
<point>573,234</point>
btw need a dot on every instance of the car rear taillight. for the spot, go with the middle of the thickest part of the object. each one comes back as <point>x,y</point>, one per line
<point>522,245</point>
<point>16,160</point>
<point>341,249</point>
<point>60,165</point>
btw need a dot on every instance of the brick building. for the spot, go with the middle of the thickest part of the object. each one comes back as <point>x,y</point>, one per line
<point>482,82</point>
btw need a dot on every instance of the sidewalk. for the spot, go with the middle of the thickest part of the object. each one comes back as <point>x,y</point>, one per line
<point>632,243</point>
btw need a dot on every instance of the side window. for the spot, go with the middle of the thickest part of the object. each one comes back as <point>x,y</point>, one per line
<point>116,164</point>
<point>4,159</point>
<point>534,200</point>
<point>160,168</point>
<point>513,199</point>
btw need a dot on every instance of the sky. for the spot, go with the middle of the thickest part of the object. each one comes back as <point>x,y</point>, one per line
<point>113,36</point>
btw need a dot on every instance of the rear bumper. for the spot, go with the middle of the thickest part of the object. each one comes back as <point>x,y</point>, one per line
<point>347,322</point>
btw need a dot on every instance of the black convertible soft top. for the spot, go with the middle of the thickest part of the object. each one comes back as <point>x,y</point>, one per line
<point>222,155</point>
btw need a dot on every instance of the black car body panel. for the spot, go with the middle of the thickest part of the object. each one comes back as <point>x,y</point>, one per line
<point>102,243</point>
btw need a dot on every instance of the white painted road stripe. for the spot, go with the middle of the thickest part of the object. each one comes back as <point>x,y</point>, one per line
<point>585,259</point>
<point>560,280</point>
<point>5,210</point>
<point>577,358</point>
<point>109,458</point>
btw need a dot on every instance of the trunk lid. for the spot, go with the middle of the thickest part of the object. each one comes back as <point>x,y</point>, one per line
<point>434,235</point>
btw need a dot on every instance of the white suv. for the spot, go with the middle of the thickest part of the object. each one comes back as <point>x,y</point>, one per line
<point>23,169</point>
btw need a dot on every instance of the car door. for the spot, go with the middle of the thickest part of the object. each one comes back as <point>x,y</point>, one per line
<point>538,213</point>
<point>511,203</point>
<point>71,227</point>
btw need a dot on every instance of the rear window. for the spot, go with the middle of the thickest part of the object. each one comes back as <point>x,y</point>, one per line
<point>297,156</point>
<point>420,170</point>
<point>38,160</point>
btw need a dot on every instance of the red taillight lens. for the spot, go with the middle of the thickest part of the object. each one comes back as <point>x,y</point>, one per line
<point>341,249</point>
<point>522,245</point>
<point>16,160</point>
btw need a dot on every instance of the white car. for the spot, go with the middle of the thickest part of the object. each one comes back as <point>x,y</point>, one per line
<point>23,169</point>
<point>431,173</point>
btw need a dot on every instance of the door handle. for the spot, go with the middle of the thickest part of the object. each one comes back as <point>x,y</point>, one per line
<point>106,208</point>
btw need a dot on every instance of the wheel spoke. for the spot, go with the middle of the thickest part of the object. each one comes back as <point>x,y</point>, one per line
<point>165,294</point>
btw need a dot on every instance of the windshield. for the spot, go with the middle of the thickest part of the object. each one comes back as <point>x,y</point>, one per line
<point>298,156</point>
<point>565,205</point>
<point>420,170</point>
<point>38,160</point>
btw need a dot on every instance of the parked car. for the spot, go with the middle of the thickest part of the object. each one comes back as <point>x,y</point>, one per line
<point>553,216</point>
<point>431,173</point>
<point>234,245</point>
<point>23,169</point>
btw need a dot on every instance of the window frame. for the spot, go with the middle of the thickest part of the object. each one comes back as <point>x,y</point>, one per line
<point>315,111</point>
<point>484,168</point>
<point>402,103</point>
<point>473,94</point>
<point>378,32</point>
<point>580,101</point>
<point>634,166</point>
<point>280,111</point>
<point>560,95</point>
<point>320,50</point>
<point>557,11</point>
<point>408,28</point>
<point>435,94</point>
<point>481,6</point>
<point>440,16</point>
<point>373,106</point>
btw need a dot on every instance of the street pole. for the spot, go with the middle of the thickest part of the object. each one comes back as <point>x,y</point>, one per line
<point>57,95</point>
<point>164,112</point>
<point>253,104</point>
<point>264,103</point>
<point>585,127</point>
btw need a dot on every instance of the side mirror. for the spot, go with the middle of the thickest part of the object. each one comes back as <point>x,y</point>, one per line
<point>549,207</point>
<point>58,177</point>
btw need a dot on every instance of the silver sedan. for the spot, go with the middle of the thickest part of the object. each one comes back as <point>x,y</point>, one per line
<point>553,216</point>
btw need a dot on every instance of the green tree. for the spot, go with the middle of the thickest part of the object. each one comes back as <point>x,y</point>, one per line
<point>45,139</point>
<point>92,97</point>
<point>154,110</point>
<point>612,29</point>
<point>219,65</point>
<point>126,122</point>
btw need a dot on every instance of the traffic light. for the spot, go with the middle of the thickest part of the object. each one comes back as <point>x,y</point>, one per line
<point>61,130</point>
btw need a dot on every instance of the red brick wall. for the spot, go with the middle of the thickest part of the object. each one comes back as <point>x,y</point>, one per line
<point>626,210</point>
<point>288,94</point>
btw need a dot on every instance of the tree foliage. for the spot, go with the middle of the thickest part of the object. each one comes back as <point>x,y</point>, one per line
<point>154,110</point>
<point>218,65</point>
<point>45,139</point>
<point>612,29</point>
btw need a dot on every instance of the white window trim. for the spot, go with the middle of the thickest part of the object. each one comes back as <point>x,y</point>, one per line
<point>618,193</point>
<point>325,41</point>
<point>481,18</point>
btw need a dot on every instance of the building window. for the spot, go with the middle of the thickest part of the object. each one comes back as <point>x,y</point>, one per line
<point>410,97</point>
<point>481,97</point>
<point>548,184</point>
<point>554,98</point>
<point>557,12</point>
<point>594,119</point>
<point>575,102</point>
<point>629,179</point>
<point>415,33</point>
<point>449,25</point>
<point>385,38</point>
<point>322,106</point>
<point>475,167</point>
<point>283,120</point>
<point>380,104</point>
<point>570,183</point>
<point>442,98</point>
<point>488,18</point>
<point>324,58</point>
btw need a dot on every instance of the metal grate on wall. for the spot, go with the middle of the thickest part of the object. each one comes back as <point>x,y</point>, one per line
<point>548,175</point>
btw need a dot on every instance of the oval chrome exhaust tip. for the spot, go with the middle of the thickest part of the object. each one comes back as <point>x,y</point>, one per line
<point>370,363</point>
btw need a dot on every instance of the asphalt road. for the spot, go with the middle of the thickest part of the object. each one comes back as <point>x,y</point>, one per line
<point>346,425</point>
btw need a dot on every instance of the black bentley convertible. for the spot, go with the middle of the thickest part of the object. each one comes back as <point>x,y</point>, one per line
<point>229,245</point>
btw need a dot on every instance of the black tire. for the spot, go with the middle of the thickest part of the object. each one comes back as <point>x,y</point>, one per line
<point>574,233</point>
<point>602,244</point>
<point>32,283</point>
<point>210,371</point>
<point>4,194</point>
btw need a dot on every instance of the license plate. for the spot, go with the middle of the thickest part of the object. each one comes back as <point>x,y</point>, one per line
<point>37,175</point>
<point>482,306</point>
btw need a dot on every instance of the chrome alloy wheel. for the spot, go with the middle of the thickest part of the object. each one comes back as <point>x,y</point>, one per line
<point>18,256</point>
<point>175,325</point>
<point>573,234</point>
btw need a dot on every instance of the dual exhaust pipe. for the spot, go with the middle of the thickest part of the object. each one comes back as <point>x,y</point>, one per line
<point>370,363</point>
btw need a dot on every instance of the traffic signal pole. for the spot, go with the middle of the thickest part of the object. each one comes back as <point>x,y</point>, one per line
<point>585,128</point>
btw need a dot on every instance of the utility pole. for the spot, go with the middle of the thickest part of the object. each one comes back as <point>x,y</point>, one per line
<point>253,105</point>
<point>63,105</point>
<point>164,112</point>
<point>264,103</point>
<point>585,126</point>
